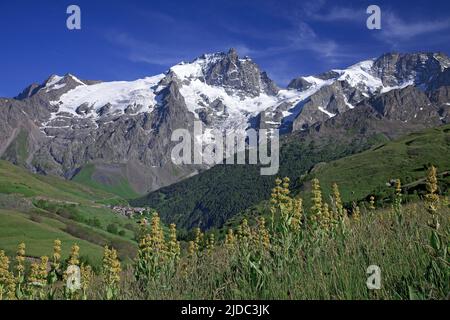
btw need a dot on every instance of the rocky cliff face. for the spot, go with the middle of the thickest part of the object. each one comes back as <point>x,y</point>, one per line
<point>124,128</point>
<point>345,89</point>
<point>233,73</point>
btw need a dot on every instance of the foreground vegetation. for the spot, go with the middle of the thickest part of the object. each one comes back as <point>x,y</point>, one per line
<point>317,253</point>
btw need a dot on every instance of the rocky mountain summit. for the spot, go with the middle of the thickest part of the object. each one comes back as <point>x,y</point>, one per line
<point>348,88</point>
<point>123,128</point>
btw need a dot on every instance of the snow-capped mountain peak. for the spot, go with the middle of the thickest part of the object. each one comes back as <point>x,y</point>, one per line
<point>226,91</point>
<point>127,125</point>
<point>360,75</point>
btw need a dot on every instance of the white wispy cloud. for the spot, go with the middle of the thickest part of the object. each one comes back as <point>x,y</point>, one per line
<point>305,38</point>
<point>322,10</point>
<point>395,28</point>
<point>137,50</point>
<point>338,14</point>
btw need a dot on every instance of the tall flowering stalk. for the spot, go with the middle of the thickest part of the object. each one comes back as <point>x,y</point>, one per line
<point>432,198</point>
<point>372,203</point>
<point>54,268</point>
<point>191,248</point>
<point>210,244</point>
<point>38,278</point>
<point>111,273</point>
<point>262,236</point>
<point>356,212</point>
<point>438,268</point>
<point>56,258</point>
<point>198,240</point>
<point>71,290</point>
<point>397,205</point>
<point>278,201</point>
<point>173,252</point>
<point>244,232</point>
<point>173,245</point>
<point>326,222</point>
<point>152,253</point>
<point>338,209</point>
<point>230,240</point>
<point>86,279</point>
<point>20,268</point>
<point>298,215</point>
<point>188,266</point>
<point>316,215</point>
<point>286,212</point>
<point>7,280</point>
<point>74,255</point>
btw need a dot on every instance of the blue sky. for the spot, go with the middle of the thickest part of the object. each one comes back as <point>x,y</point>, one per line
<point>125,40</point>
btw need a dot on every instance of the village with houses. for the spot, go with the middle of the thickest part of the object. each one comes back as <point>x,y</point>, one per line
<point>130,212</point>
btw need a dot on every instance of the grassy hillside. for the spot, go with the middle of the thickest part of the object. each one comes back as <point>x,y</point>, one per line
<point>17,150</point>
<point>39,209</point>
<point>16,227</point>
<point>119,186</point>
<point>368,173</point>
<point>16,180</point>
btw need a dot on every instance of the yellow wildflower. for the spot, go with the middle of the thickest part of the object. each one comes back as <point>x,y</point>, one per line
<point>339,209</point>
<point>56,254</point>
<point>263,234</point>
<point>432,198</point>
<point>111,272</point>
<point>174,244</point>
<point>74,255</point>
<point>7,280</point>
<point>317,207</point>
<point>191,248</point>
<point>230,239</point>
<point>244,231</point>
<point>372,203</point>
<point>211,242</point>
<point>356,213</point>
<point>297,214</point>
<point>86,279</point>
<point>20,259</point>
<point>43,271</point>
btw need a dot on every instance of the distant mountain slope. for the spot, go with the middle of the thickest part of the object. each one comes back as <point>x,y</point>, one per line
<point>66,123</point>
<point>16,180</point>
<point>69,126</point>
<point>212,197</point>
<point>109,179</point>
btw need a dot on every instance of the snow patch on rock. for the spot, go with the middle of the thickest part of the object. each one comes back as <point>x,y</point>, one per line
<point>119,94</point>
